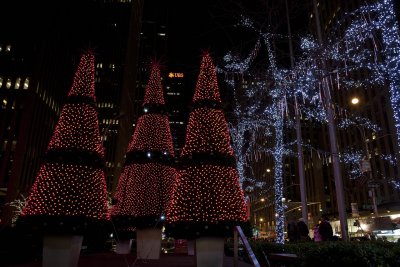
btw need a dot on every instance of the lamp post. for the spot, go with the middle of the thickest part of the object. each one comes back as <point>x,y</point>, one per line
<point>340,198</point>
<point>365,163</point>
<point>366,167</point>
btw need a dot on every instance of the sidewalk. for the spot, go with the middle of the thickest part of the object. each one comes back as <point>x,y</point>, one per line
<point>111,259</point>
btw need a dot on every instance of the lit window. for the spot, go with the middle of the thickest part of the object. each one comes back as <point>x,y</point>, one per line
<point>8,48</point>
<point>8,84</point>
<point>1,82</point>
<point>161,34</point>
<point>17,83</point>
<point>26,84</point>
<point>1,48</point>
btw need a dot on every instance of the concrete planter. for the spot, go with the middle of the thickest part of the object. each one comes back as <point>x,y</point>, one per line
<point>191,247</point>
<point>123,246</point>
<point>148,243</point>
<point>210,251</point>
<point>61,251</point>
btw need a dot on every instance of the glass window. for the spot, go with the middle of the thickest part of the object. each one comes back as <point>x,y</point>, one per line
<point>26,83</point>
<point>1,82</point>
<point>17,83</point>
<point>8,84</point>
<point>8,48</point>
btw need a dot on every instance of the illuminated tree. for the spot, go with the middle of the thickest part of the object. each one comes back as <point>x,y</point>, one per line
<point>348,55</point>
<point>208,199</point>
<point>69,192</point>
<point>146,183</point>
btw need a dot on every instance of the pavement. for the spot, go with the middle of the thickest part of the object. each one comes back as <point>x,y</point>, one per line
<point>111,259</point>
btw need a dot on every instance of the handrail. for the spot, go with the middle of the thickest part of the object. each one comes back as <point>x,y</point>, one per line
<point>250,253</point>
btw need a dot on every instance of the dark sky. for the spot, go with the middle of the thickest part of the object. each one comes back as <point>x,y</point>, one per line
<point>209,25</point>
<point>195,27</point>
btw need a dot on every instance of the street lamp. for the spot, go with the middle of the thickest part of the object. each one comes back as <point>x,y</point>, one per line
<point>355,100</point>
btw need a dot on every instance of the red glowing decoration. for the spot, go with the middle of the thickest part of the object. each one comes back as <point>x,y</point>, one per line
<point>154,91</point>
<point>71,182</point>
<point>146,183</point>
<point>207,84</point>
<point>208,196</point>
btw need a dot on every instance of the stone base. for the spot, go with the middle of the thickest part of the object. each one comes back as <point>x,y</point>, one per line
<point>148,243</point>
<point>210,251</point>
<point>61,251</point>
<point>123,246</point>
<point>191,247</point>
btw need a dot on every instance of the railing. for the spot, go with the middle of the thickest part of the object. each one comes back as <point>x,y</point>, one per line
<point>239,232</point>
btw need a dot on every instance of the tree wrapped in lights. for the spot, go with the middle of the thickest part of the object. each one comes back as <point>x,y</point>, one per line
<point>369,43</point>
<point>208,199</point>
<point>146,183</point>
<point>70,192</point>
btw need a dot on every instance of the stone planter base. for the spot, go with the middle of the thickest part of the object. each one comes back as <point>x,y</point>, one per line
<point>148,243</point>
<point>191,247</point>
<point>210,251</point>
<point>123,246</point>
<point>61,251</point>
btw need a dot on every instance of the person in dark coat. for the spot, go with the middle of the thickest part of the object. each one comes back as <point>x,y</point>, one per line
<point>325,230</point>
<point>302,230</point>
<point>292,231</point>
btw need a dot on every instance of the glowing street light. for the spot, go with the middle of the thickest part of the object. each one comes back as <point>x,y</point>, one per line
<point>355,100</point>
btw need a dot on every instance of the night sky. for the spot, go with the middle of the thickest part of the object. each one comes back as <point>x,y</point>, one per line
<point>210,25</point>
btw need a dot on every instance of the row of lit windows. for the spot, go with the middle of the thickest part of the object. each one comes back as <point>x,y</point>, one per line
<point>117,1</point>
<point>110,164</point>
<point>110,121</point>
<point>48,99</point>
<point>13,145</point>
<point>8,83</point>
<point>4,103</point>
<point>175,122</point>
<point>6,48</point>
<point>105,105</point>
<point>173,93</point>
<point>100,66</point>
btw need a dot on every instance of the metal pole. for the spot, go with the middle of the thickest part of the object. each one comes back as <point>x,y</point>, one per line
<point>333,141</point>
<point>300,160</point>
<point>370,177</point>
<point>235,248</point>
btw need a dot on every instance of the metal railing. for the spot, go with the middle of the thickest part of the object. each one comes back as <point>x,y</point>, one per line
<point>238,232</point>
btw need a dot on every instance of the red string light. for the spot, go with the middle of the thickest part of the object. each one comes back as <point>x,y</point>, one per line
<point>154,91</point>
<point>207,192</point>
<point>72,188</point>
<point>207,84</point>
<point>145,186</point>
